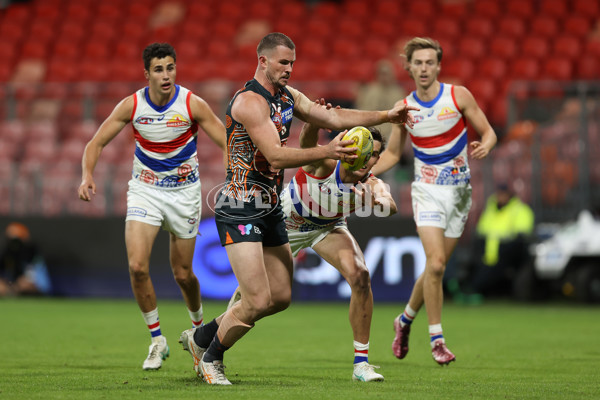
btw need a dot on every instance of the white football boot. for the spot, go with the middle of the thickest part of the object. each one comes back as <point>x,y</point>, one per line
<point>214,373</point>
<point>157,352</point>
<point>365,372</point>
<point>187,341</point>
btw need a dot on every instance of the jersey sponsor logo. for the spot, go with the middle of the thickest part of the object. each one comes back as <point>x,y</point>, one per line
<point>447,113</point>
<point>287,114</point>
<point>144,120</point>
<point>430,113</point>
<point>177,121</point>
<point>430,216</point>
<point>137,211</point>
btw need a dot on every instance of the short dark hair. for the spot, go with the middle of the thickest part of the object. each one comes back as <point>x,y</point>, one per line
<point>273,40</point>
<point>157,50</point>
<point>378,137</point>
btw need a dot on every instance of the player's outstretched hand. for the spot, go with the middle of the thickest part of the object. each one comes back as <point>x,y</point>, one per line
<point>84,189</point>
<point>478,150</point>
<point>338,149</point>
<point>400,114</point>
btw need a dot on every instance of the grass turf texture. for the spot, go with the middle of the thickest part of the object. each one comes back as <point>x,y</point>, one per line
<point>94,349</point>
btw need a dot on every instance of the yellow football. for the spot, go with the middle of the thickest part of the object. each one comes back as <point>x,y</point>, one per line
<point>363,140</point>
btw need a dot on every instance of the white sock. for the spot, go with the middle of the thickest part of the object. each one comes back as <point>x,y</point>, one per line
<point>435,334</point>
<point>197,317</point>
<point>151,319</point>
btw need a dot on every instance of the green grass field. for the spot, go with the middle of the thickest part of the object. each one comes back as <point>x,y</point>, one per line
<point>93,349</point>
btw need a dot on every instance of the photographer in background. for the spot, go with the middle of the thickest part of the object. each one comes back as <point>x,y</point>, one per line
<point>22,268</point>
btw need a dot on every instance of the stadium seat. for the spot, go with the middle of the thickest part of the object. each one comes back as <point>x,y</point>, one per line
<point>446,27</point>
<point>492,68</point>
<point>486,8</point>
<point>577,25</point>
<point>587,68</point>
<point>459,68</point>
<point>511,26</point>
<point>525,69</point>
<point>413,27</point>
<point>554,8</point>
<point>586,8</point>
<point>535,46</point>
<point>345,48</point>
<point>544,26</point>
<point>483,89</point>
<point>568,47</point>
<point>520,9</point>
<point>326,10</point>
<point>426,10</point>
<point>558,69</point>
<point>376,49</point>
<point>294,11</point>
<point>503,47</point>
<point>347,27</point>
<point>479,27</point>
<point>457,10</point>
<point>472,47</point>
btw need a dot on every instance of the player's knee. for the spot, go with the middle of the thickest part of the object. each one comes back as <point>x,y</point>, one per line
<point>359,279</point>
<point>184,277</point>
<point>138,271</point>
<point>281,302</point>
<point>436,267</point>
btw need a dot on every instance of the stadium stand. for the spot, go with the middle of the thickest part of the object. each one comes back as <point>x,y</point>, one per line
<point>67,65</point>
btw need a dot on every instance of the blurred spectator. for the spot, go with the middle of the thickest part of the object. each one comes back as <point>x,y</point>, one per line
<point>382,93</point>
<point>501,248</point>
<point>22,268</point>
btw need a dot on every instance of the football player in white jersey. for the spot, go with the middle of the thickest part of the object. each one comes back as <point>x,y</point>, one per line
<point>441,192</point>
<point>339,191</point>
<point>164,190</point>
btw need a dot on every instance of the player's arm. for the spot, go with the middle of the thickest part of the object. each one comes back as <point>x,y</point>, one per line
<point>391,155</point>
<point>468,106</point>
<point>344,118</point>
<point>251,110</point>
<point>208,121</point>
<point>116,121</point>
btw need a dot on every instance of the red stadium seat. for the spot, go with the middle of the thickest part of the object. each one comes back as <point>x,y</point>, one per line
<point>535,46</point>
<point>544,26</point>
<point>348,27</point>
<point>492,68</point>
<point>554,8</point>
<point>503,47</point>
<point>460,68</point>
<point>558,69</point>
<point>294,11</point>
<point>446,27</point>
<point>567,46</point>
<point>376,49</point>
<point>479,27</point>
<point>486,8</point>
<point>520,9</point>
<point>456,10</point>
<point>587,8</point>
<point>592,48</point>
<point>524,69</point>
<point>356,9</point>
<point>483,89</point>
<point>472,47</point>
<point>425,10</point>
<point>346,48</point>
<point>327,10</point>
<point>511,26</point>
<point>413,27</point>
<point>577,25</point>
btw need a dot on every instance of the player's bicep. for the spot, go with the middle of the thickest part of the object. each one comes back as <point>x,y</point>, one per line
<point>253,112</point>
<point>208,121</point>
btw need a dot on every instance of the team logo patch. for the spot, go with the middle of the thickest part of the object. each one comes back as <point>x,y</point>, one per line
<point>245,229</point>
<point>447,113</point>
<point>149,177</point>
<point>177,121</point>
<point>192,221</point>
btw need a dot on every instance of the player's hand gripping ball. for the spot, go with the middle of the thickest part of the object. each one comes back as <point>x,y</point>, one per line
<point>363,140</point>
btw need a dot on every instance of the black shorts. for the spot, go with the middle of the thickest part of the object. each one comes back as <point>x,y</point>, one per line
<point>246,223</point>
